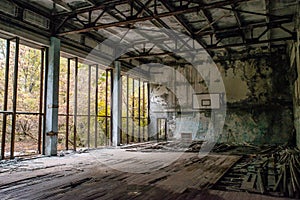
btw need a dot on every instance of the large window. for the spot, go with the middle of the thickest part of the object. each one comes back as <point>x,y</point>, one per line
<point>85,99</point>
<point>21,98</point>
<point>84,111</point>
<point>135,116</point>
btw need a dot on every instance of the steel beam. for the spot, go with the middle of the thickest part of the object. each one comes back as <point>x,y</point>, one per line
<point>251,43</point>
<point>249,26</point>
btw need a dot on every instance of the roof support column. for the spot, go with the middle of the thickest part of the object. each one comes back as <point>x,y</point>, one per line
<point>116,105</point>
<point>52,98</point>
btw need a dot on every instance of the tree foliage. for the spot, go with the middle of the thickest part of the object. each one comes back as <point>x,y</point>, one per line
<point>28,99</point>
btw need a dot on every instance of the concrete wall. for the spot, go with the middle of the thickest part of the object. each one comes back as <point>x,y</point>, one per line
<point>259,101</point>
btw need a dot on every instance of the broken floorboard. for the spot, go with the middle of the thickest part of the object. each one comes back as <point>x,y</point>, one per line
<point>110,174</point>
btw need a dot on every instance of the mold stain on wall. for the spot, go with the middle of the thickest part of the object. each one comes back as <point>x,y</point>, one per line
<point>259,101</point>
<point>259,108</point>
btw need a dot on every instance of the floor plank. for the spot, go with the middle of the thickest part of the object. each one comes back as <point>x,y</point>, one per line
<point>117,174</point>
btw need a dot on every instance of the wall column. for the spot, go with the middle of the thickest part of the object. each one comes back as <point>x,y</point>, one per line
<point>52,98</point>
<point>116,105</point>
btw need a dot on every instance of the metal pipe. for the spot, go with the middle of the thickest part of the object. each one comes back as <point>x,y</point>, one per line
<point>68,103</point>
<point>127,108</point>
<point>75,102</point>
<point>22,113</point>
<point>166,129</point>
<point>132,134</point>
<point>120,89</point>
<point>96,106</point>
<point>89,107</point>
<point>143,111</point>
<point>5,98</point>
<point>41,101</point>
<point>15,93</point>
<point>111,102</point>
<point>139,111</point>
<point>158,129</point>
<point>106,107</point>
<point>148,110</point>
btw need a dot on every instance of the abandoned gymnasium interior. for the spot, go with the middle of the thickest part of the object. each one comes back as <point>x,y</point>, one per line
<point>150,99</point>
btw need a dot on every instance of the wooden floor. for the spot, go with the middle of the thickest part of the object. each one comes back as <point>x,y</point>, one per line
<point>119,174</point>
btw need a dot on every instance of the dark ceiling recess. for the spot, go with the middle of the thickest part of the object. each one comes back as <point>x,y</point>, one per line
<point>217,25</point>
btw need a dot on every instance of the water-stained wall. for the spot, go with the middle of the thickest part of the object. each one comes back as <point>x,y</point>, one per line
<point>259,100</point>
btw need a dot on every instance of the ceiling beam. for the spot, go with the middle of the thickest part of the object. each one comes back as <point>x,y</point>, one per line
<point>210,47</point>
<point>181,21</point>
<point>253,13</point>
<point>62,4</point>
<point>102,6</point>
<point>249,26</point>
<point>155,16</point>
<point>92,2</point>
<point>227,31</point>
<point>163,24</point>
<point>208,18</point>
<point>158,54</point>
<point>211,24</point>
<point>268,8</point>
<point>142,10</point>
<point>253,42</point>
<point>239,22</point>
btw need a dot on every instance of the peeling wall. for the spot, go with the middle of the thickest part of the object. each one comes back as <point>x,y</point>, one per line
<point>259,101</point>
<point>259,98</point>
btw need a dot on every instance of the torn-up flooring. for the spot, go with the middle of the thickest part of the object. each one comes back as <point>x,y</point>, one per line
<point>119,174</point>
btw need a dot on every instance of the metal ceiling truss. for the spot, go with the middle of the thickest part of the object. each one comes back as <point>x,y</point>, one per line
<point>62,24</point>
<point>138,18</point>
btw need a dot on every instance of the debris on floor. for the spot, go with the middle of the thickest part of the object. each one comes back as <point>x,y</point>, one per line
<point>273,171</point>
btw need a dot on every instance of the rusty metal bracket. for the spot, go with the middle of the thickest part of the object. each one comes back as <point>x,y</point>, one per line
<point>52,106</point>
<point>52,133</point>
